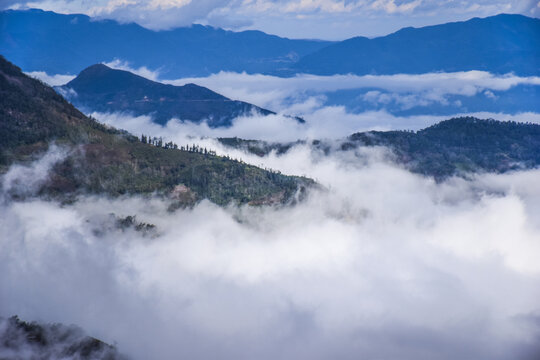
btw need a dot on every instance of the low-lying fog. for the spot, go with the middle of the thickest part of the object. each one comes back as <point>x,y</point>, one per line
<point>383,264</point>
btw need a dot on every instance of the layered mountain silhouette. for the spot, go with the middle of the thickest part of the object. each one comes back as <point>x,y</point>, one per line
<point>102,89</point>
<point>103,160</point>
<point>58,44</point>
<point>498,44</point>
<point>39,40</point>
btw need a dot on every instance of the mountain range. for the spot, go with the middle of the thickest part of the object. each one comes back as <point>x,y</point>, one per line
<point>103,160</point>
<point>499,44</point>
<point>58,44</point>
<point>39,40</point>
<point>102,89</point>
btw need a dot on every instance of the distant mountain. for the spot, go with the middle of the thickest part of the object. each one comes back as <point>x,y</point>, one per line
<point>100,88</point>
<point>58,44</point>
<point>104,160</point>
<point>498,44</point>
<point>457,146</point>
<point>39,40</point>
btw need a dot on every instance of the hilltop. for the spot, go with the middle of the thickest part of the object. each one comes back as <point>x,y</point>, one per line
<point>102,89</point>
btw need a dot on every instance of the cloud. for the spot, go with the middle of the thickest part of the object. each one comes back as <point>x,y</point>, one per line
<point>271,91</point>
<point>25,180</point>
<point>329,122</point>
<point>141,71</point>
<point>51,80</point>
<point>383,264</point>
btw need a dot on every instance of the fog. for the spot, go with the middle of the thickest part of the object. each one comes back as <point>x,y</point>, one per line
<point>330,122</point>
<point>377,263</point>
<point>380,264</point>
<point>269,91</point>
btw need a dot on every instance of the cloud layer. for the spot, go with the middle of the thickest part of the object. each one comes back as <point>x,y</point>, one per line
<point>303,93</point>
<point>382,264</point>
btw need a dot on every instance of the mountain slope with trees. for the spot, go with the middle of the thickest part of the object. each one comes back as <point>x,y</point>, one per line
<point>458,146</point>
<point>104,160</point>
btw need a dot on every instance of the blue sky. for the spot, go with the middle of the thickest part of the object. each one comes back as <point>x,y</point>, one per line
<point>324,19</point>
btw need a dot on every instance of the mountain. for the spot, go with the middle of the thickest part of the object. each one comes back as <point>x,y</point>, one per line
<point>103,160</point>
<point>22,340</point>
<point>58,44</point>
<point>498,44</point>
<point>458,146</point>
<point>102,89</point>
<point>39,40</point>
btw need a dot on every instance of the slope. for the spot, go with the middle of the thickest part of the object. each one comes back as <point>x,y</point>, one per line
<point>102,89</point>
<point>103,160</point>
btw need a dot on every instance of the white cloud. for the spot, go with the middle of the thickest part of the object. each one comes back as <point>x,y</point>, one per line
<point>25,180</point>
<point>384,264</point>
<point>141,71</point>
<point>325,123</point>
<point>52,80</point>
<point>278,93</point>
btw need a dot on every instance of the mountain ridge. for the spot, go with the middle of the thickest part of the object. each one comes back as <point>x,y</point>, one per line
<point>58,44</point>
<point>455,147</point>
<point>100,88</point>
<point>499,44</point>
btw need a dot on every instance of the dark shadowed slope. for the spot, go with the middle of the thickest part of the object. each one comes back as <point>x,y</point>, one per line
<point>110,161</point>
<point>100,88</point>
<point>460,146</point>
<point>23,340</point>
<point>58,44</point>
<point>498,44</point>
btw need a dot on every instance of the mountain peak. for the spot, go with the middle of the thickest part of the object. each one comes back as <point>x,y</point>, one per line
<point>102,89</point>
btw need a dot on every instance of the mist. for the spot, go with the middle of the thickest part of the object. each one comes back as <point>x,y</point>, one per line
<point>378,263</point>
<point>282,128</point>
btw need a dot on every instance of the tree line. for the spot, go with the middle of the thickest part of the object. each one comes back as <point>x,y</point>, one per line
<point>158,142</point>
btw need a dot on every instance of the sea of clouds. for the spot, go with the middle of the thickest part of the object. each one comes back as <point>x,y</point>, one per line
<point>381,263</point>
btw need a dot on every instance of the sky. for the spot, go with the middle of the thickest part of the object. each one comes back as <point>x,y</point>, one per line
<point>322,19</point>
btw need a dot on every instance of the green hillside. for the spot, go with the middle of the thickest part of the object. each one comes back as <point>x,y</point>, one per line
<point>104,160</point>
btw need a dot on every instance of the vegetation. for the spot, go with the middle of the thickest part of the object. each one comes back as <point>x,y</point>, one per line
<point>23,340</point>
<point>453,147</point>
<point>257,147</point>
<point>460,145</point>
<point>106,160</point>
